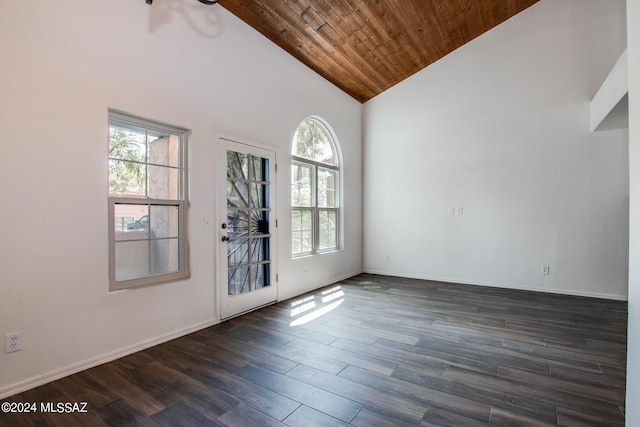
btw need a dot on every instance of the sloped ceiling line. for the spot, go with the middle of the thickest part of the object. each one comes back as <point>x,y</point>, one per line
<point>364,47</point>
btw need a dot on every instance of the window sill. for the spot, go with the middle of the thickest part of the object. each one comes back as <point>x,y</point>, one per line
<point>318,253</point>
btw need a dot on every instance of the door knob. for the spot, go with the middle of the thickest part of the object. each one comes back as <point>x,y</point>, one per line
<point>225,238</point>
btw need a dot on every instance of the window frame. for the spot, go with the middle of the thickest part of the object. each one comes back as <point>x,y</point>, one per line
<point>120,118</point>
<point>315,209</point>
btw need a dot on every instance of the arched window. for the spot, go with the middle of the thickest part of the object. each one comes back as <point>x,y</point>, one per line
<point>315,178</point>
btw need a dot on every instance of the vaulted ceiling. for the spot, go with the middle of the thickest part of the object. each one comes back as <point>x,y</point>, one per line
<point>366,46</point>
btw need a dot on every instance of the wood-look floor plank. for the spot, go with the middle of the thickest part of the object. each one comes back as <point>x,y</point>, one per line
<point>267,318</point>
<point>249,352</point>
<point>139,393</point>
<point>498,355</point>
<point>348,332</point>
<point>309,417</point>
<point>308,358</point>
<point>368,417</point>
<point>209,401</point>
<point>83,387</point>
<point>503,396</point>
<point>484,365</point>
<point>588,361</point>
<point>396,355</point>
<point>243,416</point>
<point>599,394</point>
<point>441,417</point>
<point>368,396</point>
<point>363,360</point>
<point>15,419</point>
<point>570,417</point>
<point>394,352</point>
<point>502,418</point>
<point>588,379</point>
<point>314,397</point>
<point>182,415</point>
<point>272,404</point>
<point>411,391</point>
<point>521,389</point>
<point>120,413</point>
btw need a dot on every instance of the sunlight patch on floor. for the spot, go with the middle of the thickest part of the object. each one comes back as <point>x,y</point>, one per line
<point>329,300</point>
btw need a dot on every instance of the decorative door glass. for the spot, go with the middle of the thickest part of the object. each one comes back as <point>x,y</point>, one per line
<point>248,210</point>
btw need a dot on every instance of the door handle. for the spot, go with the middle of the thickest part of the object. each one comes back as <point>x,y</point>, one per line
<point>225,238</point>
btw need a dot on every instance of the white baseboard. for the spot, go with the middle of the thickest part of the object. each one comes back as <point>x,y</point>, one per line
<point>74,368</point>
<point>56,374</point>
<point>45,378</point>
<point>499,285</point>
<point>320,285</point>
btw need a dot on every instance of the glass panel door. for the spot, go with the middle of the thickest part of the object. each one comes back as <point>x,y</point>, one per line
<point>246,229</point>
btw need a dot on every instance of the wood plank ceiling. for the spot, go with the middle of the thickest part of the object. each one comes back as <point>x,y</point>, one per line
<point>366,46</point>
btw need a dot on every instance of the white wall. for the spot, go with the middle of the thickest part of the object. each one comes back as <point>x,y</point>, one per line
<point>63,65</point>
<point>633,330</point>
<point>501,128</point>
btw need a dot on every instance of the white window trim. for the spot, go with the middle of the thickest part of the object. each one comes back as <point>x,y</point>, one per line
<point>181,202</point>
<point>315,209</point>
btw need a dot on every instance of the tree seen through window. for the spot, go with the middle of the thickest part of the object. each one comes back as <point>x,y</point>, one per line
<point>314,189</point>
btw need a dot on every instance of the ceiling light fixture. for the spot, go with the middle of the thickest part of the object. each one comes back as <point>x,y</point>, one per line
<point>208,2</point>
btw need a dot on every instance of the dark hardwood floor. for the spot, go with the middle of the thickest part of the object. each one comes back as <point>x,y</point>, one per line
<point>370,351</point>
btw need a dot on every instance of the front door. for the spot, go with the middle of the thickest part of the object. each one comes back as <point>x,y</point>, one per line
<point>246,222</point>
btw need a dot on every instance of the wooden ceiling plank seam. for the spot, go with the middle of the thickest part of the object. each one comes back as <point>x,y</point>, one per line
<point>461,19</point>
<point>347,28</point>
<point>495,8</point>
<point>377,21</point>
<point>374,36</point>
<point>340,12</point>
<point>351,55</point>
<point>302,37</point>
<point>352,73</point>
<point>442,19</point>
<point>307,14</point>
<point>449,13</point>
<point>473,19</point>
<point>256,19</point>
<point>411,19</point>
<point>395,58</point>
<point>406,40</point>
<point>482,23</point>
<point>427,26</point>
<point>253,17</point>
<point>486,13</point>
<point>353,22</point>
<point>373,40</point>
<point>356,49</point>
<point>336,42</point>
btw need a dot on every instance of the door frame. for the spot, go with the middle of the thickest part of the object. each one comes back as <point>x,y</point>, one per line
<point>225,143</point>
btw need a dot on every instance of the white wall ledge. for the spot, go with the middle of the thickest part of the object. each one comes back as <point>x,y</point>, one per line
<point>610,105</point>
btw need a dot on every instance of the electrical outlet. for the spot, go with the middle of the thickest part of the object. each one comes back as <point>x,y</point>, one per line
<point>13,342</point>
<point>546,270</point>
